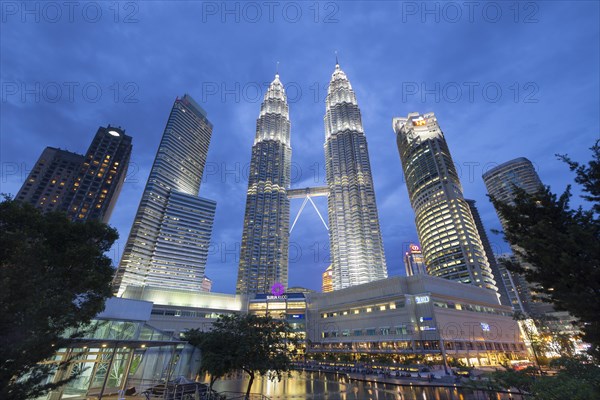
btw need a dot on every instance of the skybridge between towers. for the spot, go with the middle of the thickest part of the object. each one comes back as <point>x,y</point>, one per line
<point>307,194</point>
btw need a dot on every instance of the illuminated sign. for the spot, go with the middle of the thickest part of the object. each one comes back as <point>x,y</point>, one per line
<point>421,299</point>
<point>485,327</point>
<point>414,248</point>
<point>282,297</point>
<point>277,289</point>
<point>425,319</point>
<point>297,316</point>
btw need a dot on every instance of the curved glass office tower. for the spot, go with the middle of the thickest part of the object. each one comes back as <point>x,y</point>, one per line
<point>449,239</point>
<point>519,172</point>
<point>356,247</point>
<point>265,237</point>
<point>500,182</point>
<point>168,243</point>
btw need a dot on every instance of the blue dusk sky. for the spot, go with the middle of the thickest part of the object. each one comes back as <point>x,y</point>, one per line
<point>505,80</point>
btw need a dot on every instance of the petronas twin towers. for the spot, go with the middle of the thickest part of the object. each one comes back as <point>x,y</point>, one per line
<point>355,237</point>
<point>264,253</point>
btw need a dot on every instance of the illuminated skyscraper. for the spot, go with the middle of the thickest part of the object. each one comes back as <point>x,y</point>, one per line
<point>414,261</point>
<point>101,176</point>
<point>517,287</point>
<point>500,275</point>
<point>446,228</point>
<point>327,285</point>
<point>168,243</point>
<point>50,179</point>
<point>264,250</point>
<point>85,187</point>
<point>356,247</point>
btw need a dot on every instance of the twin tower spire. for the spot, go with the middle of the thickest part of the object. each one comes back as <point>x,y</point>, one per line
<point>357,254</point>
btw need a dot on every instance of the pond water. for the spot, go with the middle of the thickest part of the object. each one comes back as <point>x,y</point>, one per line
<point>331,386</point>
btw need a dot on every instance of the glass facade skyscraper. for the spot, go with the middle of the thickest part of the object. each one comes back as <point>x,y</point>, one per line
<point>501,182</point>
<point>356,246</point>
<point>168,243</point>
<point>447,231</point>
<point>85,187</point>
<point>265,237</point>
<point>503,282</point>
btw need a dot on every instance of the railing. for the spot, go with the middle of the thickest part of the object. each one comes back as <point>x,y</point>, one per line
<point>242,396</point>
<point>186,391</point>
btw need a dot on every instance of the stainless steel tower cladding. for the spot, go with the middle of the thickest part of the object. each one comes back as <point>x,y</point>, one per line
<point>356,246</point>
<point>265,237</point>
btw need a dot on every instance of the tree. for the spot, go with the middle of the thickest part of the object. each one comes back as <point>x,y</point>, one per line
<point>217,358</point>
<point>254,344</point>
<point>575,379</point>
<point>54,277</point>
<point>562,244</point>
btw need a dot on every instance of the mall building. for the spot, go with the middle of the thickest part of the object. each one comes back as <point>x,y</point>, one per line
<point>417,315</point>
<point>398,317</point>
<point>137,341</point>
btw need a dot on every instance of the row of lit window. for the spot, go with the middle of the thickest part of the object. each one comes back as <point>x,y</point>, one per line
<point>367,309</point>
<point>470,307</point>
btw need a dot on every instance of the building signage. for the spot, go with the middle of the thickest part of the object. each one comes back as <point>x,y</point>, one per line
<point>421,299</point>
<point>282,297</point>
<point>277,289</point>
<point>485,327</point>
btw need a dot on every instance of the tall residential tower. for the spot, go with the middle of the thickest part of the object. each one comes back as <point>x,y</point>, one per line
<point>168,243</point>
<point>85,187</point>
<point>264,250</point>
<point>51,179</point>
<point>356,246</point>
<point>101,176</point>
<point>446,228</point>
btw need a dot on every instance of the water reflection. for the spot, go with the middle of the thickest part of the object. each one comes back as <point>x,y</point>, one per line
<point>330,386</point>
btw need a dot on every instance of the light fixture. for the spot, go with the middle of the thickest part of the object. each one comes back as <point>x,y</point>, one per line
<point>112,132</point>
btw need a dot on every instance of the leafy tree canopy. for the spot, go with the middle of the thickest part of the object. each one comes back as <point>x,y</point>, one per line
<point>254,344</point>
<point>563,245</point>
<point>54,277</point>
<point>576,379</point>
